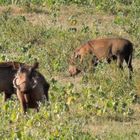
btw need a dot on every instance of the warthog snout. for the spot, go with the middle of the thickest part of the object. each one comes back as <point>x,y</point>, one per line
<point>73,70</point>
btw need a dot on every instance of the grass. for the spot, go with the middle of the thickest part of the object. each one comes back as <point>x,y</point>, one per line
<point>99,105</point>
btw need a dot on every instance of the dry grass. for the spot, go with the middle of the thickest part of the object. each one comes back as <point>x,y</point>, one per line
<point>63,18</point>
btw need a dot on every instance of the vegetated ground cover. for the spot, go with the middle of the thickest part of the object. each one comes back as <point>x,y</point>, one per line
<point>93,105</point>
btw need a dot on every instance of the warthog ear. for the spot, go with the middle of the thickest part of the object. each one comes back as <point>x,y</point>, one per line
<point>36,64</point>
<point>30,71</point>
<point>14,65</point>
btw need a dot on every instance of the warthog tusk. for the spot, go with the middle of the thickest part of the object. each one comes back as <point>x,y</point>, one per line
<point>14,83</point>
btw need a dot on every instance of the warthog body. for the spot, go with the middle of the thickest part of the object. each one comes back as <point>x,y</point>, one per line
<point>109,48</point>
<point>7,73</point>
<point>29,88</point>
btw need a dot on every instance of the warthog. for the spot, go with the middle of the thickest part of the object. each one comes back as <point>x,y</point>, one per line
<point>7,73</point>
<point>110,49</point>
<point>29,87</point>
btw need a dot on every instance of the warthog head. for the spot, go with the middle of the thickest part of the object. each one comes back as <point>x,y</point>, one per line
<point>72,69</point>
<point>25,79</point>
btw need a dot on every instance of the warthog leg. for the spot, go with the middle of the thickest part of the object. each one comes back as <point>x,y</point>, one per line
<point>120,60</point>
<point>24,107</point>
<point>128,60</point>
<point>6,96</point>
<point>95,61</point>
<point>109,59</point>
<point>22,101</point>
<point>46,89</point>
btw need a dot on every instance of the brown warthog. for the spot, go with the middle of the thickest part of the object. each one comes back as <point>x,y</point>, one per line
<point>29,87</point>
<point>110,49</point>
<point>7,73</point>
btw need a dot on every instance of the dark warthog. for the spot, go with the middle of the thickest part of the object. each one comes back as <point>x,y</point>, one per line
<point>29,87</point>
<point>7,73</point>
<point>110,49</point>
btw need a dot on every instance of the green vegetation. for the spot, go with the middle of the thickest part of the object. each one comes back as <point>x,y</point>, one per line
<point>94,105</point>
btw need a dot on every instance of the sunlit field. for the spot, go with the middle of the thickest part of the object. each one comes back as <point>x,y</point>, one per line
<point>98,105</point>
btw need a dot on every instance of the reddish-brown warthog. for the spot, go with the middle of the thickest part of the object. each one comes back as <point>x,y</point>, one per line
<point>110,49</point>
<point>29,87</point>
<point>7,73</point>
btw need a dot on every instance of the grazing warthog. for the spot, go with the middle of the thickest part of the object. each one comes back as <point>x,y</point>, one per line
<point>7,73</point>
<point>110,49</point>
<point>29,87</point>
